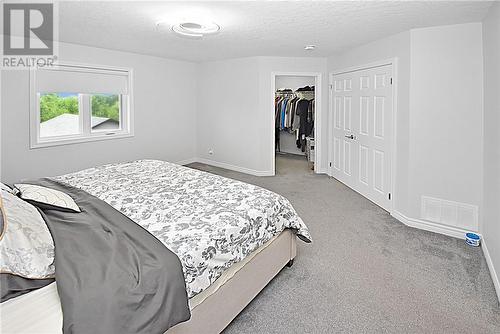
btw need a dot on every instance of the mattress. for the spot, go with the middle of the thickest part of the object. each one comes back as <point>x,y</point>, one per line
<point>210,222</point>
<point>43,309</point>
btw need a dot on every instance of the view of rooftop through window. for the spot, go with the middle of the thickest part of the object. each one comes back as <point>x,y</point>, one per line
<point>105,112</point>
<point>60,113</point>
<point>56,104</point>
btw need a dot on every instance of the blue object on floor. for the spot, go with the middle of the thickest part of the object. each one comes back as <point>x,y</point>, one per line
<point>472,239</point>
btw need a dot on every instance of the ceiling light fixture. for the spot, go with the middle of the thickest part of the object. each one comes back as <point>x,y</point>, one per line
<point>195,29</point>
<point>310,47</point>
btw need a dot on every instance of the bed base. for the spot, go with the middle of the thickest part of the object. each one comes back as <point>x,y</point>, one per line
<point>220,308</point>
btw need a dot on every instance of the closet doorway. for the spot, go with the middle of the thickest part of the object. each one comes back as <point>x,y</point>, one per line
<point>295,108</point>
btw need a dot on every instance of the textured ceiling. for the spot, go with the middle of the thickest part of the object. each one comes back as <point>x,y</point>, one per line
<point>253,28</point>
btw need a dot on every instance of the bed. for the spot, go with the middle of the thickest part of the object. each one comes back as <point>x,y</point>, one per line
<point>255,232</point>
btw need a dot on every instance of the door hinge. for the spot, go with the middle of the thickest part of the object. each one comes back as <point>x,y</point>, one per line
<point>391,81</point>
<point>331,86</point>
<point>330,164</point>
<point>389,196</point>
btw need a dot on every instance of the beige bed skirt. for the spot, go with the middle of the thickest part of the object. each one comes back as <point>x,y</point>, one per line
<point>217,310</point>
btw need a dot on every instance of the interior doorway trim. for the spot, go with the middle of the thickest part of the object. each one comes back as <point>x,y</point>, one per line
<point>317,116</point>
<point>380,63</point>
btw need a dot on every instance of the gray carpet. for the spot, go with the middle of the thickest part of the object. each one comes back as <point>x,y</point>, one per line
<point>365,272</point>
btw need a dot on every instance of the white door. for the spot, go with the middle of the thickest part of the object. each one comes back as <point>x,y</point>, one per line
<point>361,103</point>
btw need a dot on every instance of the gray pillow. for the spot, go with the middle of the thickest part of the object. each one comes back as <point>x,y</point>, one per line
<point>2,218</point>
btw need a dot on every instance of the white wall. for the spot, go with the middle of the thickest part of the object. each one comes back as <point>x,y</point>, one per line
<point>183,110</point>
<point>235,116</point>
<point>228,113</point>
<point>174,120</point>
<point>446,115</point>
<point>491,196</point>
<point>394,46</point>
<point>164,98</point>
<point>293,82</point>
<point>439,112</point>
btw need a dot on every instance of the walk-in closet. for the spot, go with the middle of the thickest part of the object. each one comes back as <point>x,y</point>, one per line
<point>295,108</point>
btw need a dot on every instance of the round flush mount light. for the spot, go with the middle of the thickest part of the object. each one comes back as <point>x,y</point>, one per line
<point>195,29</point>
<point>310,47</point>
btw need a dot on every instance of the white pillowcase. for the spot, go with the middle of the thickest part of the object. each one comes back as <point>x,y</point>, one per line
<point>26,246</point>
<point>6,187</point>
<point>48,196</point>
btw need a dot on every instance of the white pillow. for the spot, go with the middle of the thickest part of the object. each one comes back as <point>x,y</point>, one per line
<point>47,196</point>
<point>6,187</point>
<point>26,245</point>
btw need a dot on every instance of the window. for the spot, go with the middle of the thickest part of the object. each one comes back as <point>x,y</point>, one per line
<point>79,103</point>
<point>59,114</point>
<point>105,112</point>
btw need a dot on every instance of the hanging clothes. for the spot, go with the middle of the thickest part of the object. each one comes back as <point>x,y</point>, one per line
<point>281,105</point>
<point>283,112</point>
<point>310,111</point>
<point>305,126</point>
<point>291,112</point>
<point>277,109</point>
<point>294,112</point>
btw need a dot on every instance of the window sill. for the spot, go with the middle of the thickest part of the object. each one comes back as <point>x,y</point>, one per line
<point>78,140</point>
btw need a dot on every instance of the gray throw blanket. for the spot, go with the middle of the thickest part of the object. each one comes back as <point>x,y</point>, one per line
<point>112,275</point>
<point>12,286</point>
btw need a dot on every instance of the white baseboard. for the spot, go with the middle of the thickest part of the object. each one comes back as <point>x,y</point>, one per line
<point>491,267</point>
<point>322,171</point>
<point>235,168</point>
<point>451,231</point>
<point>186,161</point>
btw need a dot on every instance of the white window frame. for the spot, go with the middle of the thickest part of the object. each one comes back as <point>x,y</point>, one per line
<point>126,129</point>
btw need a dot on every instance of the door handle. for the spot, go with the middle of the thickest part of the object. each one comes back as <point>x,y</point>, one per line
<point>350,136</point>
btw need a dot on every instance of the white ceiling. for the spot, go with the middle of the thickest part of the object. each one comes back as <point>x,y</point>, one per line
<point>253,28</point>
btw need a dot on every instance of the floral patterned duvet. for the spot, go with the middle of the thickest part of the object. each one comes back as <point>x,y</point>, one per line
<point>208,221</point>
